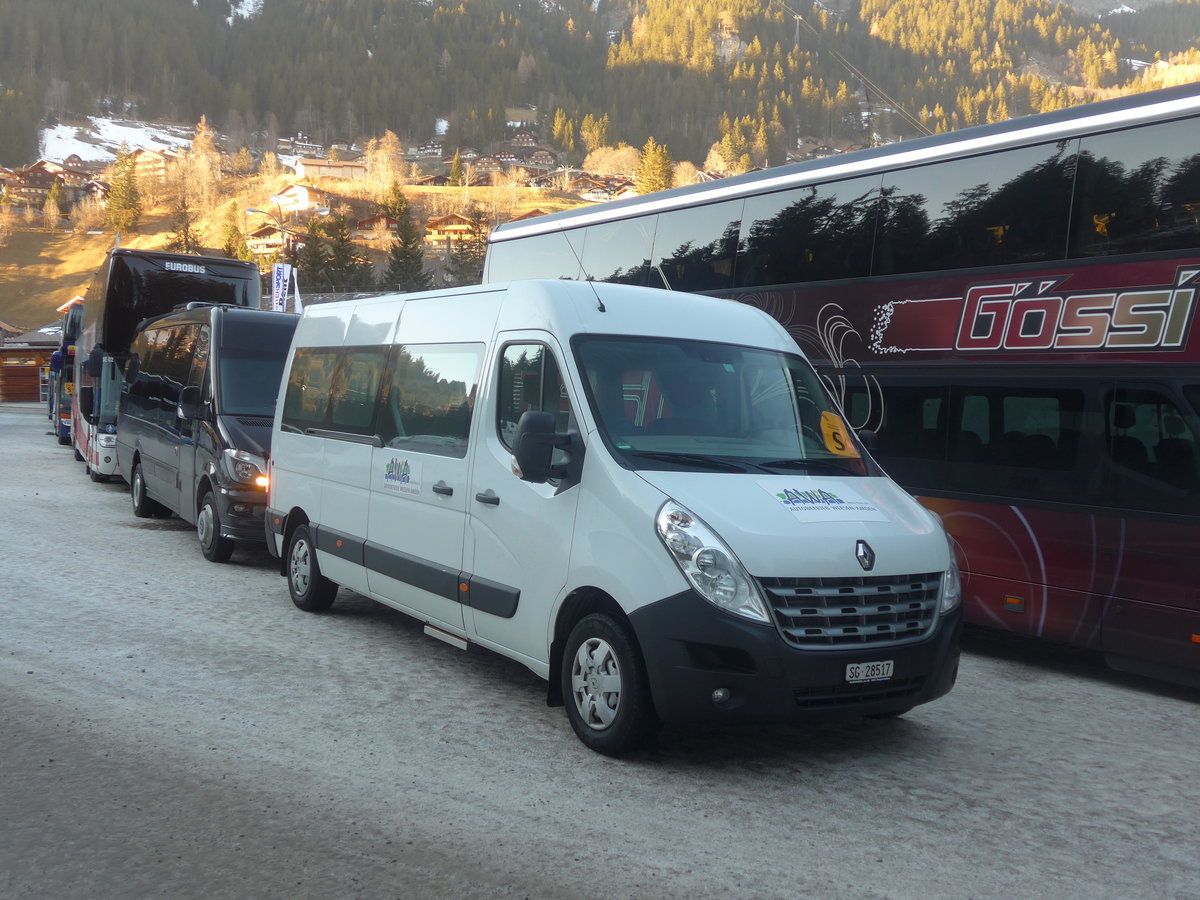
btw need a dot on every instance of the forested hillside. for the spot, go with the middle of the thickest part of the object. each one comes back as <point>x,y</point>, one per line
<point>751,74</point>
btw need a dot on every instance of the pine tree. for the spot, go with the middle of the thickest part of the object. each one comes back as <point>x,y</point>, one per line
<point>184,238</point>
<point>233,242</point>
<point>406,256</point>
<point>124,199</point>
<point>458,175</point>
<point>465,264</point>
<point>311,260</point>
<point>654,171</point>
<point>345,267</point>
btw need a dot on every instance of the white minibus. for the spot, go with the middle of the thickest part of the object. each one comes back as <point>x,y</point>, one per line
<point>646,498</point>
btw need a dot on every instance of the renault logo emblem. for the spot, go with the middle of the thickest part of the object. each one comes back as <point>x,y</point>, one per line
<point>865,555</point>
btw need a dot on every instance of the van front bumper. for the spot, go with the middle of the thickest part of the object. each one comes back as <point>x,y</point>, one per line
<point>241,513</point>
<point>694,652</point>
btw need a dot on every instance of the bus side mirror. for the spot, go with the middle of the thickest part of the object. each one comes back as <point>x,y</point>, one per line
<point>533,446</point>
<point>94,364</point>
<point>85,394</point>
<point>189,403</point>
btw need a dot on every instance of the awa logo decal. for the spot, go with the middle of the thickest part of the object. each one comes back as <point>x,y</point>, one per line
<point>819,502</point>
<point>402,476</point>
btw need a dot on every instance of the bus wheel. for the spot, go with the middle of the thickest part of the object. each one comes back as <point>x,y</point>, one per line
<point>310,590</point>
<point>605,687</point>
<point>208,528</point>
<point>63,441</point>
<point>78,455</point>
<point>143,506</point>
<point>96,476</point>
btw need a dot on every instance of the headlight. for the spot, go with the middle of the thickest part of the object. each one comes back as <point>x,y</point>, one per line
<point>708,564</point>
<point>246,468</point>
<point>951,582</point>
<point>106,440</point>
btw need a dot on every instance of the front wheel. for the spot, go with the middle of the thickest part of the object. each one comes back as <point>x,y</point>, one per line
<point>208,528</point>
<point>605,686</point>
<point>143,506</point>
<point>310,590</point>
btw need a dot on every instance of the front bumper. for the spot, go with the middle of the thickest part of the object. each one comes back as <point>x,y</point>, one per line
<point>692,649</point>
<point>241,513</point>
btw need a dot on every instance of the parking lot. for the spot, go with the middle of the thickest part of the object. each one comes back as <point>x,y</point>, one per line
<point>171,727</point>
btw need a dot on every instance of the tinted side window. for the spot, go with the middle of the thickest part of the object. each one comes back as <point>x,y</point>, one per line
<point>999,209</point>
<point>1138,191</point>
<point>695,248</point>
<point>619,251</point>
<point>811,233</point>
<point>355,389</point>
<point>1152,451</point>
<point>541,256</point>
<point>306,401</point>
<point>428,397</point>
<point>1020,441</point>
<point>530,379</point>
<point>911,436</point>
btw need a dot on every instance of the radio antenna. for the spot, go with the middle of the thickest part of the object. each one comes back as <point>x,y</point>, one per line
<point>586,277</point>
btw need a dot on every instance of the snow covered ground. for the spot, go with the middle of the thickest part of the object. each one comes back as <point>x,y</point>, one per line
<point>101,139</point>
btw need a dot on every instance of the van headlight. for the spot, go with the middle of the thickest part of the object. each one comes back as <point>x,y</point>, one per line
<point>951,582</point>
<point>708,564</point>
<point>246,468</point>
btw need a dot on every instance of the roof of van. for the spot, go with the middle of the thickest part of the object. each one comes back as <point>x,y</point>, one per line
<point>564,308</point>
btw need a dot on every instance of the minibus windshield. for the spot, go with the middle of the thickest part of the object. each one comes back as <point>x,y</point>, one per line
<point>251,366</point>
<point>666,403</point>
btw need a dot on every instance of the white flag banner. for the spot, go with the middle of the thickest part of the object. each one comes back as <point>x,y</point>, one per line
<point>296,283</point>
<point>281,274</point>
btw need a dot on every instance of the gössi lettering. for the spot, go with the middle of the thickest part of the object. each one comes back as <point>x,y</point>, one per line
<point>1033,315</point>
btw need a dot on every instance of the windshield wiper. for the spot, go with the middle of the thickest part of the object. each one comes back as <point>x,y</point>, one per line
<point>809,463</point>
<point>692,459</point>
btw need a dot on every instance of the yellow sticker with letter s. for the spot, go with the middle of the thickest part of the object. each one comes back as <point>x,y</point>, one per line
<point>837,436</point>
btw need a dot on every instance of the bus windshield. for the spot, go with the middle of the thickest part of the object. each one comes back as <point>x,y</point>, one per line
<point>685,405</point>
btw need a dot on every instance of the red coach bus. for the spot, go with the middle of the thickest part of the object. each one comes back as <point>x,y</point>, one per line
<point>1010,309</point>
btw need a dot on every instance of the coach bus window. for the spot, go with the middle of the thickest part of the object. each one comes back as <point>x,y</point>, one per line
<point>620,251</point>
<point>1152,448</point>
<point>912,436</point>
<point>999,209</point>
<point>429,396</point>
<point>540,256</point>
<point>695,248</point>
<point>1138,191</point>
<point>811,233</point>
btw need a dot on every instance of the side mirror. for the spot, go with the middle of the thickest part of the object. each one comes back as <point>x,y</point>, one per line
<point>94,364</point>
<point>86,393</point>
<point>533,446</point>
<point>133,365</point>
<point>189,403</point>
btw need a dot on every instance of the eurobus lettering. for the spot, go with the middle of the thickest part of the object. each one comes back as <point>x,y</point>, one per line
<point>1011,310</point>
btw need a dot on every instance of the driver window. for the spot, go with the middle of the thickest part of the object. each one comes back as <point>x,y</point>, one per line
<point>530,379</point>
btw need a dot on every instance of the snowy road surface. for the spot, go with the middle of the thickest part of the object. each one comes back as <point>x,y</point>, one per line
<point>174,728</point>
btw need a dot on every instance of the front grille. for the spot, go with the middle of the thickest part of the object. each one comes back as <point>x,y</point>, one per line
<point>843,695</point>
<point>817,613</point>
<point>255,421</point>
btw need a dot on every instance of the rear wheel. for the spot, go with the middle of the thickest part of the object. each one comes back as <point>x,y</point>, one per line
<point>208,528</point>
<point>143,506</point>
<point>78,455</point>
<point>310,590</point>
<point>605,687</point>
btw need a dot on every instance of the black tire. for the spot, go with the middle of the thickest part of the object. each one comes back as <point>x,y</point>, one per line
<point>208,529</point>
<point>143,506</point>
<point>311,591</point>
<point>78,455</point>
<point>605,689</point>
<point>96,476</point>
<point>63,440</point>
